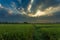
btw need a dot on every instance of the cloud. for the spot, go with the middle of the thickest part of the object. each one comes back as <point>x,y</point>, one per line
<point>31,9</point>
<point>37,8</point>
<point>47,12</point>
<point>45,4</point>
<point>30,5</point>
<point>3,12</point>
<point>1,6</point>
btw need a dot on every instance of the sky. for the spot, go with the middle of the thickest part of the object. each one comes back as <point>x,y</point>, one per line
<point>32,11</point>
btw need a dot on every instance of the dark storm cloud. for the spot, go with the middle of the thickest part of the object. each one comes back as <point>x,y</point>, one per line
<point>54,18</point>
<point>3,12</point>
<point>24,4</point>
<point>18,3</point>
<point>6,17</point>
<point>45,4</point>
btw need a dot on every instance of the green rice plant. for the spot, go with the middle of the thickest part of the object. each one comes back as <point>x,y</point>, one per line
<point>40,34</point>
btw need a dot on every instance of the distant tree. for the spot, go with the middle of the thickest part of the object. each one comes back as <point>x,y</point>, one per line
<point>25,22</point>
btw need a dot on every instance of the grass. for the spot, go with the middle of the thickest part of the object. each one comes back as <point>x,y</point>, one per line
<point>29,31</point>
<point>15,31</point>
<point>15,27</point>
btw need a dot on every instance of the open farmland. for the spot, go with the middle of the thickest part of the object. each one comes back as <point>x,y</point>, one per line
<point>29,31</point>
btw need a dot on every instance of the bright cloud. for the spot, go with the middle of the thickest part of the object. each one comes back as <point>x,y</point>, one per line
<point>37,14</point>
<point>30,5</point>
<point>48,12</point>
<point>1,6</point>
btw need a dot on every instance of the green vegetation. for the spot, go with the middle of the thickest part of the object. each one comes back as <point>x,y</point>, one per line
<point>29,31</point>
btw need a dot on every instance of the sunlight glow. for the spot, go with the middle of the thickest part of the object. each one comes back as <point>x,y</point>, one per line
<point>47,12</point>
<point>38,13</point>
<point>30,5</point>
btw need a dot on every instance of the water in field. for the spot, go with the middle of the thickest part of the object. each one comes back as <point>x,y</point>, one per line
<point>29,31</point>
